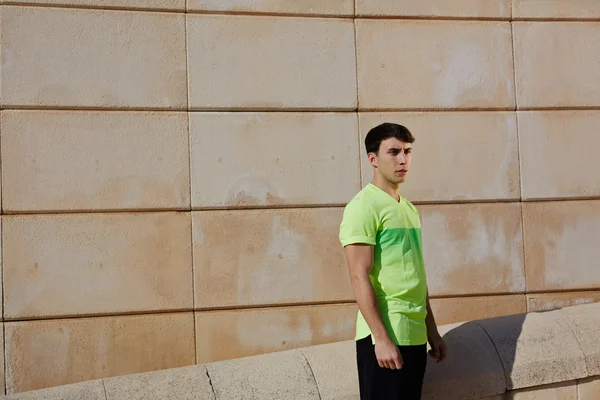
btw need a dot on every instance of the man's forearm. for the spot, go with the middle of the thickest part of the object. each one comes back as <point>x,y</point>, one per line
<point>367,304</point>
<point>430,320</point>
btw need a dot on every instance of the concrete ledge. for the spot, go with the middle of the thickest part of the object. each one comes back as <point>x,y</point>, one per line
<point>584,321</point>
<point>472,369</point>
<point>330,365</point>
<point>536,349</point>
<point>535,352</point>
<point>187,383</point>
<point>281,375</point>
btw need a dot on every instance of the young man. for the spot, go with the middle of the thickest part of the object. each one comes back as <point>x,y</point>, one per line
<point>381,235</point>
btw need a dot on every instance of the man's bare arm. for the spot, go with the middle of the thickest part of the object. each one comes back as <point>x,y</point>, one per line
<point>438,351</point>
<point>360,261</point>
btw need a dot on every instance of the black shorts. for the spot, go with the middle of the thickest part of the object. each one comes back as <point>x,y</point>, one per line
<point>378,383</point>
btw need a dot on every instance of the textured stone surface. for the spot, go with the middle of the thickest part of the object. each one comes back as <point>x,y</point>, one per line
<point>589,389</point>
<point>536,349</point>
<point>79,160</point>
<point>42,354</point>
<point>300,159</point>
<point>307,7</point>
<point>584,322</point>
<point>475,152</point>
<point>556,391</point>
<point>570,53</point>
<point>185,383</point>
<point>435,8</point>
<point>472,369</point>
<point>451,64</point>
<point>561,245</point>
<point>82,264</point>
<point>460,309</point>
<point>225,335</point>
<point>271,62</point>
<point>92,58</point>
<point>262,377</point>
<point>91,390</point>
<point>473,249</point>
<point>557,153</point>
<point>167,5</point>
<point>552,301</point>
<point>556,9</point>
<point>258,257</point>
<point>334,368</point>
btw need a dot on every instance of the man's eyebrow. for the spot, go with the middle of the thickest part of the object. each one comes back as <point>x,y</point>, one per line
<point>399,149</point>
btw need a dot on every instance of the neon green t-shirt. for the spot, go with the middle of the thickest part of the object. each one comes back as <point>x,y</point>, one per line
<point>398,274</point>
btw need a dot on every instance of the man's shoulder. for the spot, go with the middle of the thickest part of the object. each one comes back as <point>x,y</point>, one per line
<point>363,200</point>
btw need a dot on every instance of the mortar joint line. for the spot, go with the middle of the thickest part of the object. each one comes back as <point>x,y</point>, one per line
<point>312,373</point>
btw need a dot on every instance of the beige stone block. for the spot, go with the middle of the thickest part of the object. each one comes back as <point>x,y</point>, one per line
<point>536,349</point>
<point>225,335</point>
<point>80,160</point>
<point>164,5</point>
<point>556,391</point>
<point>42,354</point>
<point>584,322</point>
<point>301,158</point>
<point>561,244</point>
<point>488,170</point>
<point>452,64</point>
<point>570,53</point>
<point>92,58</point>
<point>305,7</point>
<point>57,265</point>
<point>91,390</point>
<point>270,62</point>
<point>184,383</point>
<point>282,375</point>
<point>435,8</point>
<point>472,369</point>
<point>557,154</point>
<point>462,309</point>
<point>589,389</point>
<point>2,371</point>
<point>583,9</point>
<point>334,368</point>
<point>473,249</point>
<point>552,301</point>
<point>259,257</point>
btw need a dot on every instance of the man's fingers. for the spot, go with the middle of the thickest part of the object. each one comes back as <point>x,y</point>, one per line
<point>398,363</point>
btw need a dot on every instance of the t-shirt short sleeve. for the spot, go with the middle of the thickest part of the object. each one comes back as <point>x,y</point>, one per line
<point>359,224</point>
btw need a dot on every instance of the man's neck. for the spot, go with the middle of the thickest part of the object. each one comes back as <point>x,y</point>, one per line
<point>390,188</point>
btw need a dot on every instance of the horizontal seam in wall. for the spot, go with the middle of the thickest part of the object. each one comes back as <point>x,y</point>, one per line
<point>548,19</point>
<point>475,295</point>
<point>284,207</point>
<point>272,14</point>
<point>432,18</point>
<point>180,311</point>
<point>90,7</point>
<point>280,306</point>
<point>563,291</point>
<point>296,110</point>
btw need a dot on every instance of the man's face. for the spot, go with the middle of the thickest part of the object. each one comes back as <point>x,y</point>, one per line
<point>393,160</point>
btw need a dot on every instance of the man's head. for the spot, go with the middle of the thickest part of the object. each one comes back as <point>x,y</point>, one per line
<point>389,148</point>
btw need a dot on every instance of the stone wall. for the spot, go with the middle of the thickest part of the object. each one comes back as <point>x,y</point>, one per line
<point>173,175</point>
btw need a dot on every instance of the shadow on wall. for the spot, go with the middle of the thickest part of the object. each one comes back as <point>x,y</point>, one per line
<point>482,359</point>
<point>491,356</point>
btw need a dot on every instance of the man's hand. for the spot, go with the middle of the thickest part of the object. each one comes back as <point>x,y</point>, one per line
<point>438,351</point>
<point>388,354</point>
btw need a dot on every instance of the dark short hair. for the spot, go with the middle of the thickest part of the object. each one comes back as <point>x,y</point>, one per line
<point>385,131</point>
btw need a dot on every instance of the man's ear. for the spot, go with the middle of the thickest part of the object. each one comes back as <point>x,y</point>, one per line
<point>372,159</point>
